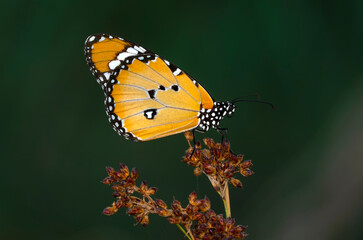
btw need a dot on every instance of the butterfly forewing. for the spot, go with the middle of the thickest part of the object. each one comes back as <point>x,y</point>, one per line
<point>147,97</point>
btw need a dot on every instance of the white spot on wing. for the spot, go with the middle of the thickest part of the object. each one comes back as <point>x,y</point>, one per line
<point>107,75</point>
<point>114,64</point>
<point>124,55</point>
<point>177,71</point>
<point>91,39</point>
<point>149,114</point>
<point>101,39</point>
<point>167,62</point>
<point>139,49</point>
<point>132,50</point>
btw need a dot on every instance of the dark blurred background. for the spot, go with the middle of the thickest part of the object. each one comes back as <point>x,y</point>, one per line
<point>304,56</point>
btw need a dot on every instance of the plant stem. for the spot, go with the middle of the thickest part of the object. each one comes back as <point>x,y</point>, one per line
<point>183,230</point>
<point>227,205</point>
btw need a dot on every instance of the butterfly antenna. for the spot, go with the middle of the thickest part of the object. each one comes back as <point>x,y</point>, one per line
<point>256,95</point>
<point>252,100</point>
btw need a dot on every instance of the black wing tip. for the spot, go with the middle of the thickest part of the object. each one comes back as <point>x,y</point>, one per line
<point>96,38</point>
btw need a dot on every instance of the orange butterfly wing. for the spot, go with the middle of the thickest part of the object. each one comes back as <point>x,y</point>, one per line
<point>147,97</point>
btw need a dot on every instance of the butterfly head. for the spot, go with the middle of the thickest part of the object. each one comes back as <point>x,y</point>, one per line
<point>230,109</point>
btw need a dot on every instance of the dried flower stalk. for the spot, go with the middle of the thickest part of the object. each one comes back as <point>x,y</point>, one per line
<point>197,220</point>
<point>219,164</point>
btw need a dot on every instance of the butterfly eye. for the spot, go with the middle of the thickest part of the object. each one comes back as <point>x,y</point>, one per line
<point>231,109</point>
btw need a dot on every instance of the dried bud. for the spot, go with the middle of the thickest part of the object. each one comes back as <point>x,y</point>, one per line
<point>118,204</point>
<point>188,136</point>
<point>162,212</point>
<point>230,223</point>
<point>234,160</point>
<point>238,232</point>
<point>160,203</point>
<point>246,172</point>
<point>109,210</point>
<point>108,180</point>
<point>117,187</point>
<point>176,207</point>
<point>210,214</point>
<point>116,194</point>
<point>191,210</point>
<point>185,217</point>
<point>135,211</point>
<point>209,169</point>
<point>200,217</point>
<point>110,171</point>
<point>198,145</point>
<point>218,154</point>
<point>197,171</point>
<point>235,182</point>
<point>229,172</point>
<point>151,191</point>
<point>124,170</point>
<point>206,153</point>
<point>218,146</point>
<point>209,142</point>
<point>134,173</point>
<point>192,198</point>
<point>174,220</point>
<point>143,187</point>
<point>130,181</point>
<point>247,164</point>
<point>205,206</point>
<point>226,146</point>
<point>127,204</point>
<point>145,220</point>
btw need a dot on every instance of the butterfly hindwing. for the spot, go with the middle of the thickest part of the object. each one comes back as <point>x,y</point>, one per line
<point>147,97</point>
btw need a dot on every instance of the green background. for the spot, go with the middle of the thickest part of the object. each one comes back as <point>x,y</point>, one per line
<point>304,56</point>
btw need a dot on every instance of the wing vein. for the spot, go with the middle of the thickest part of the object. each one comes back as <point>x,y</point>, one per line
<point>131,85</point>
<point>155,136</point>
<point>132,115</point>
<point>170,81</point>
<point>163,124</point>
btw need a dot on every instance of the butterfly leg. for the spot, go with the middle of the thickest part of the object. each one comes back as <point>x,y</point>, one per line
<point>194,143</point>
<point>223,132</point>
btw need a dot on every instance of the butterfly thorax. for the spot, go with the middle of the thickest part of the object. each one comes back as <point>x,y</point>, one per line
<point>212,117</point>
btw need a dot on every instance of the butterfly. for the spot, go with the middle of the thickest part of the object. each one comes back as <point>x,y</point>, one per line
<point>146,96</point>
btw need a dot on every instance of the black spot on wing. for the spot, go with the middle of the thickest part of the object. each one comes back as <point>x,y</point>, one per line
<point>151,94</point>
<point>175,88</point>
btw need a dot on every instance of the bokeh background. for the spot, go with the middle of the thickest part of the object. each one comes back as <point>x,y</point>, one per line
<point>304,56</point>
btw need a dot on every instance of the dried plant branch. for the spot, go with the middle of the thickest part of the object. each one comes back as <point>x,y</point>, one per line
<point>219,164</point>
<point>196,220</point>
